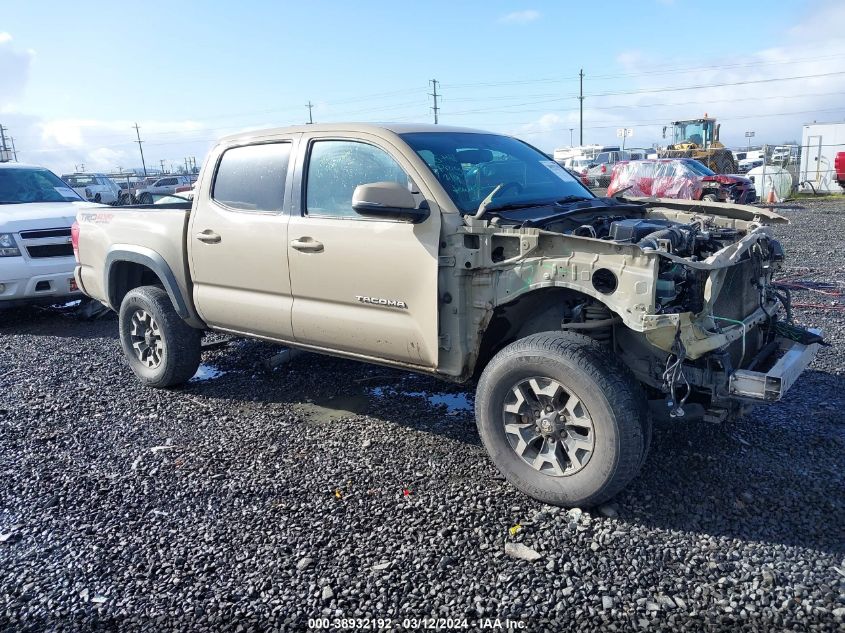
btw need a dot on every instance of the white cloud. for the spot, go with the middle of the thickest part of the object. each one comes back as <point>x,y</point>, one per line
<point>520,17</point>
<point>5,37</point>
<point>82,132</point>
<point>60,144</point>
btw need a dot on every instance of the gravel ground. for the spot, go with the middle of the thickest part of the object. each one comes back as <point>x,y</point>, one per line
<point>256,499</point>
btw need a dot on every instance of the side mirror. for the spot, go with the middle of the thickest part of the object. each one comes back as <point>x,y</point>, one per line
<point>388,200</point>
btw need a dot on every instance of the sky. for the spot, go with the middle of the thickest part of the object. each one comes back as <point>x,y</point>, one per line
<point>75,77</point>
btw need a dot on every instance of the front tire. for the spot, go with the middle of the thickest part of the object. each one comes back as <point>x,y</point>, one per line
<point>161,348</point>
<point>562,420</point>
<point>146,198</point>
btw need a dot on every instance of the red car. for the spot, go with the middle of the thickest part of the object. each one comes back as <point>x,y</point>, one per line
<point>679,178</point>
<point>839,166</point>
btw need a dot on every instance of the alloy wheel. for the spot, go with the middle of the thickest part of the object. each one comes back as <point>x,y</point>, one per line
<point>548,427</point>
<point>146,339</point>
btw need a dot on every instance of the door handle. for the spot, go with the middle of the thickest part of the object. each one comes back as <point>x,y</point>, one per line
<point>307,245</point>
<point>208,236</point>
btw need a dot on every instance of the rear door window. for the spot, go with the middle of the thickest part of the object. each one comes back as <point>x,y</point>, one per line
<point>252,177</point>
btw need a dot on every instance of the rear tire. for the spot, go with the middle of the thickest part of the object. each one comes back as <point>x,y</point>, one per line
<point>161,348</point>
<point>589,439</point>
<point>710,197</point>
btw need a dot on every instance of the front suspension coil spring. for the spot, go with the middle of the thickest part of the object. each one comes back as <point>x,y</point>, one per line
<point>599,312</point>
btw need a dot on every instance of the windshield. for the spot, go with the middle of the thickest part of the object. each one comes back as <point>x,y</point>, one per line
<point>698,168</point>
<point>698,132</point>
<point>470,166</point>
<point>21,185</point>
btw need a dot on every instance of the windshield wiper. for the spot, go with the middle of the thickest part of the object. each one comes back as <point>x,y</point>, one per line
<point>519,205</point>
<point>568,199</point>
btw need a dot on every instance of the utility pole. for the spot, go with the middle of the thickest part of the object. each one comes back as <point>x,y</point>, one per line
<point>186,164</point>
<point>161,162</point>
<point>434,94</point>
<point>138,134</point>
<point>310,105</point>
<point>581,100</point>
<point>570,136</point>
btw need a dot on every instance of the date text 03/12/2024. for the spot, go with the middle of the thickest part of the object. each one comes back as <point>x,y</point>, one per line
<point>425,624</point>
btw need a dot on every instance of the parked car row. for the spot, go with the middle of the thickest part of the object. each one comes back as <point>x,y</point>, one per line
<point>162,186</point>
<point>103,189</point>
<point>94,187</point>
<point>596,171</point>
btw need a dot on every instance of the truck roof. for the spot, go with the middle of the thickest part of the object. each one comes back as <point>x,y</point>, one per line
<point>396,128</point>
<point>20,166</point>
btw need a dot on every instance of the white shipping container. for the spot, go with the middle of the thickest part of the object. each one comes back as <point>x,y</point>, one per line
<point>820,143</point>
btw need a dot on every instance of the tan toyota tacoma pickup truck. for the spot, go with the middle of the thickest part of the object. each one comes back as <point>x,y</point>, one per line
<point>466,255</point>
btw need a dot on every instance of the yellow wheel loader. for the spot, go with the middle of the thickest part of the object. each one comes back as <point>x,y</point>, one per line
<point>699,139</point>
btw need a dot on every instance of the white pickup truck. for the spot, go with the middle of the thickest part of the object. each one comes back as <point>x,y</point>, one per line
<point>37,210</point>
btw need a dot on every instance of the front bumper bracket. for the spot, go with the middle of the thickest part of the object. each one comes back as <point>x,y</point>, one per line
<point>771,385</point>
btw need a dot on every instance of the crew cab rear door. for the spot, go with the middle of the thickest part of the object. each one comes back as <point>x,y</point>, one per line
<point>363,286</point>
<point>237,238</point>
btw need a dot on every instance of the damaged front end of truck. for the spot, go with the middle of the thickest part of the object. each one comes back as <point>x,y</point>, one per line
<point>684,293</point>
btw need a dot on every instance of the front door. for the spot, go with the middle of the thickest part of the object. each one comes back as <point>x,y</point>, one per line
<point>363,286</point>
<point>238,241</point>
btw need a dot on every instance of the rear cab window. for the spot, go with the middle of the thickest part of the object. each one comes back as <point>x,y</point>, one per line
<point>252,178</point>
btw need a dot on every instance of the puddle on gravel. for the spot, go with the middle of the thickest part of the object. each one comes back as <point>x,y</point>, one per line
<point>331,409</point>
<point>455,402</point>
<point>207,372</point>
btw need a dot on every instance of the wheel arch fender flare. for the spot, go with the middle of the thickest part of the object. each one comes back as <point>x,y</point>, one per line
<point>150,259</point>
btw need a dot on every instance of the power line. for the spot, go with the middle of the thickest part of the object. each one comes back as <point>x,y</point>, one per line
<point>634,106</point>
<point>553,99</point>
<point>658,90</point>
<point>654,122</point>
<point>658,70</point>
<point>746,82</point>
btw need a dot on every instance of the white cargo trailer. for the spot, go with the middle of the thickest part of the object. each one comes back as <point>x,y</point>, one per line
<point>820,143</point>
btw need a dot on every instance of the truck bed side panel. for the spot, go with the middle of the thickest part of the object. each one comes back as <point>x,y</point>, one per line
<point>104,235</point>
